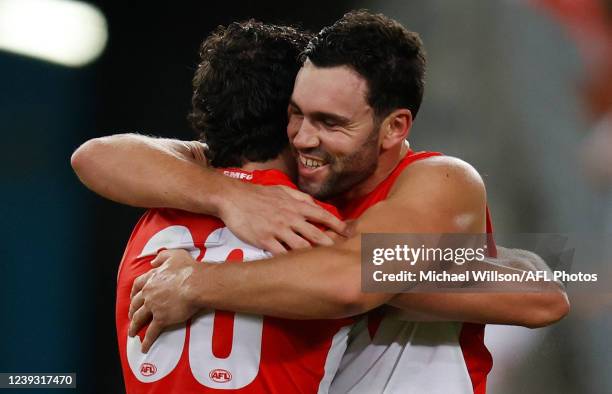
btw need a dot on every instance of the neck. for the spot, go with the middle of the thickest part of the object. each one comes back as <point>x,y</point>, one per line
<point>283,162</point>
<point>387,161</point>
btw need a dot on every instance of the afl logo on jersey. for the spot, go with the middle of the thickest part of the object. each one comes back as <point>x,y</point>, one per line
<point>220,375</point>
<point>148,369</point>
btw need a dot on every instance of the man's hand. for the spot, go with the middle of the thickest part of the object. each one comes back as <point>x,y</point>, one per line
<point>190,150</point>
<point>162,295</point>
<point>155,172</point>
<point>277,218</point>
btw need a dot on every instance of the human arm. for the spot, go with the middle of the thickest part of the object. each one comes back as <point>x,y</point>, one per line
<point>148,172</point>
<point>545,304</point>
<point>154,172</point>
<point>325,282</point>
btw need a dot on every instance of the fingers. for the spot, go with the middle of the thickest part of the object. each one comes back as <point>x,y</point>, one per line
<point>153,331</point>
<point>293,240</point>
<point>139,283</point>
<point>157,261</point>
<point>351,227</point>
<point>197,151</point>
<point>139,320</point>
<point>273,246</point>
<point>287,218</point>
<point>334,236</point>
<point>162,256</point>
<point>319,215</point>
<point>137,302</point>
<point>313,234</point>
<point>298,195</point>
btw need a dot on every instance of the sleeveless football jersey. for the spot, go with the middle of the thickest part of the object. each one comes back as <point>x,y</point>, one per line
<point>389,355</point>
<point>219,351</point>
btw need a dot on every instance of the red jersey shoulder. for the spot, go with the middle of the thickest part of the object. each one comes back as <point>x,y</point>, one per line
<point>358,206</point>
<point>243,353</point>
<point>279,178</point>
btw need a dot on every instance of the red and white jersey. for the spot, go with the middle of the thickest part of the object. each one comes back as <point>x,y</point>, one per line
<point>218,351</point>
<point>389,355</point>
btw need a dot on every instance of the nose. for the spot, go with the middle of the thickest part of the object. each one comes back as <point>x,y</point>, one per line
<point>307,136</point>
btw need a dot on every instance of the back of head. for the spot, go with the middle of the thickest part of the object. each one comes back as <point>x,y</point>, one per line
<point>387,55</point>
<point>241,90</point>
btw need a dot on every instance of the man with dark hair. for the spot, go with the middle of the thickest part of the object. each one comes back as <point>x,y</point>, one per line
<point>250,66</point>
<point>350,147</point>
<point>391,61</point>
<point>240,91</point>
<point>395,73</point>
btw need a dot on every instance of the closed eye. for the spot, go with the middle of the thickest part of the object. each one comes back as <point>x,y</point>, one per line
<point>329,122</point>
<point>294,110</point>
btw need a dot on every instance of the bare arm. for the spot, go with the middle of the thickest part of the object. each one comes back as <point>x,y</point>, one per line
<point>325,282</point>
<point>535,309</point>
<point>542,304</point>
<point>152,172</point>
<point>149,172</point>
<point>532,310</point>
<point>538,304</point>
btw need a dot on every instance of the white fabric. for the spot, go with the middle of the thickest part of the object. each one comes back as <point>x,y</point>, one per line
<point>404,357</point>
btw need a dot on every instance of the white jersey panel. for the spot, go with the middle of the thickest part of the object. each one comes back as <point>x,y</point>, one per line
<point>334,357</point>
<point>404,357</point>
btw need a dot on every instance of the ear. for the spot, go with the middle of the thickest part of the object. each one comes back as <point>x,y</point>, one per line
<point>396,127</point>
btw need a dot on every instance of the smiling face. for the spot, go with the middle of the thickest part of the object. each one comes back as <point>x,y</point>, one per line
<point>332,130</point>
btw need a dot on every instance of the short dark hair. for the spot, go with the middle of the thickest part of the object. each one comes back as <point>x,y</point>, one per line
<point>241,91</point>
<point>388,56</point>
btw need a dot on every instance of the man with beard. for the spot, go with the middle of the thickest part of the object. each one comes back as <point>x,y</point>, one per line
<point>218,350</point>
<point>351,111</point>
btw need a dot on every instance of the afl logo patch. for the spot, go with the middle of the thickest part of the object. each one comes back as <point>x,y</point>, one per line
<point>148,369</point>
<point>220,375</point>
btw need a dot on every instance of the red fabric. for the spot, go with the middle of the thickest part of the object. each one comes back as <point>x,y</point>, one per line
<point>224,320</point>
<point>358,206</point>
<point>293,353</point>
<point>477,358</point>
<point>476,355</point>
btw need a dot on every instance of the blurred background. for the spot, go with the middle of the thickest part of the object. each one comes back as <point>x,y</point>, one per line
<point>521,89</point>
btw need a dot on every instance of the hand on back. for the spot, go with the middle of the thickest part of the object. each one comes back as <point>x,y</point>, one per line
<point>278,218</point>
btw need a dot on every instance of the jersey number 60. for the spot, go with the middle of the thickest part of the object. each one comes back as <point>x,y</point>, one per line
<point>209,370</point>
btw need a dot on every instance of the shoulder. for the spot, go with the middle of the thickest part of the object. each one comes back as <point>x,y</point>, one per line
<point>443,187</point>
<point>445,169</point>
<point>440,175</point>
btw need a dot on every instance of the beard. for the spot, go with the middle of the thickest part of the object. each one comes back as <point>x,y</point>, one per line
<point>345,171</point>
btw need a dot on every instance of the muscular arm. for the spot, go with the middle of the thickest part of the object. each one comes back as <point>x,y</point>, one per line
<point>532,310</point>
<point>545,303</point>
<point>325,282</point>
<point>437,195</point>
<point>150,172</point>
<point>153,172</point>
